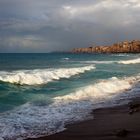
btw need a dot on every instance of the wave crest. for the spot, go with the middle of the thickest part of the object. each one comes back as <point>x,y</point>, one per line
<point>31,121</point>
<point>103,89</point>
<point>41,76</point>
<point>133,61</point>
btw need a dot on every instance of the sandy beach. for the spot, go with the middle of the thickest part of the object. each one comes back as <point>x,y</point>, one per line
<point>121,122</point>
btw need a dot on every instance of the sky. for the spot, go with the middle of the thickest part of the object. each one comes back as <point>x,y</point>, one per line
<point>36,26</point>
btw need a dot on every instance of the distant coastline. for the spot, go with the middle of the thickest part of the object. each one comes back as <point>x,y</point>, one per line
<point>121,47</point>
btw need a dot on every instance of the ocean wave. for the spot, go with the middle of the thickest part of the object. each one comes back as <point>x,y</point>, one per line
<point>120,54</point>
<point>132,61</point>
<point>31,121</point>
<point>98,62</point>
<point>66,58</point>
<point>104,88</point>
<point>41,76</point>
<point>121,61</point>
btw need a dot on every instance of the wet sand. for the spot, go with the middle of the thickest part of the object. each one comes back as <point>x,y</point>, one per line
<point>122,122</point>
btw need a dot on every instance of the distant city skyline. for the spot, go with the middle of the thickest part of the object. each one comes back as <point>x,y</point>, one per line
<point>61,25</point>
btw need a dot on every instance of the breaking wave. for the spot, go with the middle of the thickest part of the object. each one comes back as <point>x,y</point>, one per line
<point>41,76</point>
<point>98,62</point>
<point>120,54</point>
<point>66,58</point>
<point>133,61</point>
<point>31,121</point>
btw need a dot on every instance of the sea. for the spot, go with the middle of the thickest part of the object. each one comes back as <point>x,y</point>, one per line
<point>41,93</point>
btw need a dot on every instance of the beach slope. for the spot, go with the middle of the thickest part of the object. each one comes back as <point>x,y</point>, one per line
<point>121,122</point>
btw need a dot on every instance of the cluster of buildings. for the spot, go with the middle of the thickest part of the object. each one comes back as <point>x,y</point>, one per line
<point>122,47</point>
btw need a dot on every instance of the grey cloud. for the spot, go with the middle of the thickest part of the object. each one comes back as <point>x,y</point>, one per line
<point>49,25</point>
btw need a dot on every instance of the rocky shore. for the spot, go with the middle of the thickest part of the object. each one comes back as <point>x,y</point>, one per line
<point>121,47</point>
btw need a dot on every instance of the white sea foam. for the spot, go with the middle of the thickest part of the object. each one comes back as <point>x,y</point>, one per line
<point>41,76</point>
<point>132,61</point>
<point>31,120</point>
<point>120,54</point>
<point>66,58</point>
<point>98,62</point>
<point>104,89</point>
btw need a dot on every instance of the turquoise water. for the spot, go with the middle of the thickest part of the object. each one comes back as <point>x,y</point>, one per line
<point>46,91</point>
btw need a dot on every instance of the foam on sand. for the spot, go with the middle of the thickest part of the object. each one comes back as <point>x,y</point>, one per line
<point>41,76</point>
<point>31,120</point>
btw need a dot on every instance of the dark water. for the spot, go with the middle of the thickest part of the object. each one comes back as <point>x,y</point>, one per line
<point>39,93</point>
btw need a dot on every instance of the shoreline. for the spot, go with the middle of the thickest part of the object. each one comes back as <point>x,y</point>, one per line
<point>108,124</point>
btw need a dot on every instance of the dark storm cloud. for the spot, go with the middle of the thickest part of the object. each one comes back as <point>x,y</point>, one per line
<point>49,25</point>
